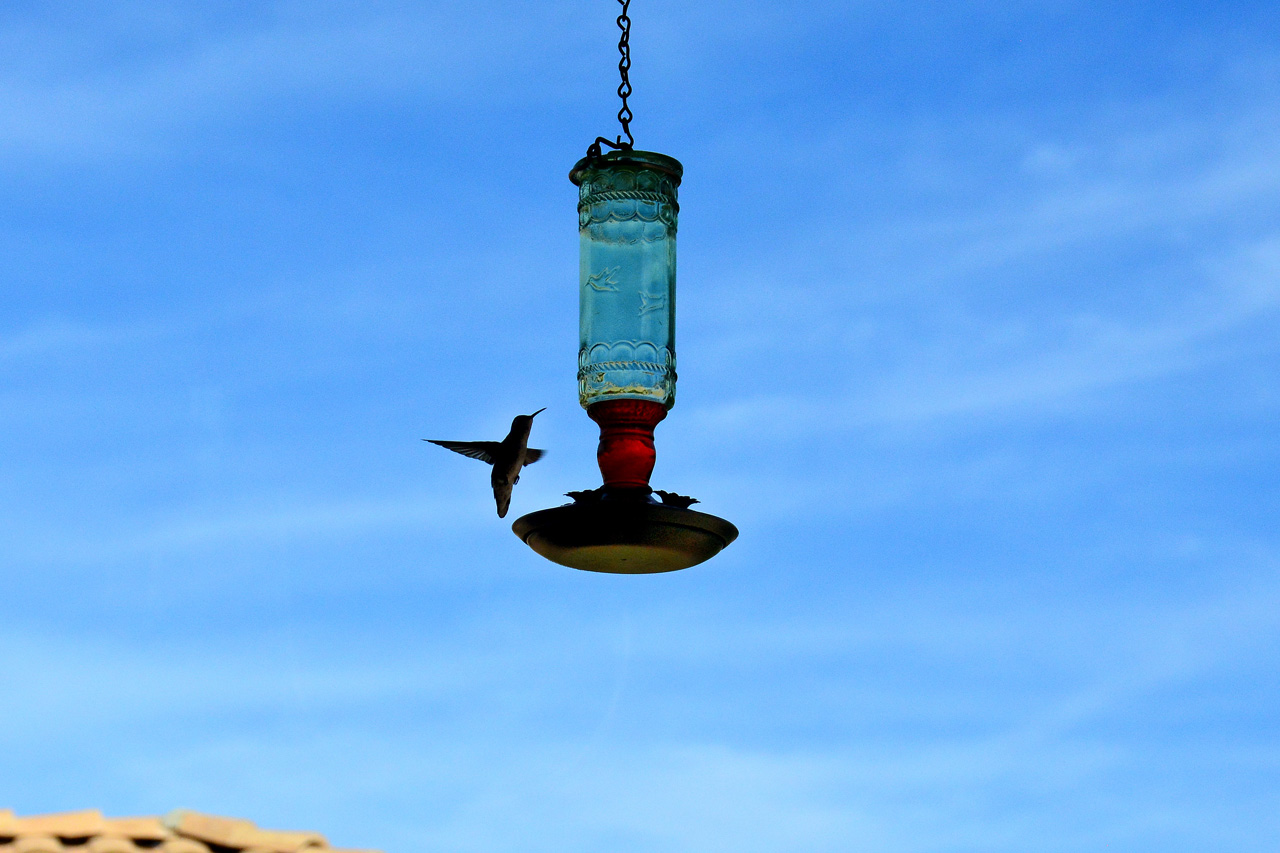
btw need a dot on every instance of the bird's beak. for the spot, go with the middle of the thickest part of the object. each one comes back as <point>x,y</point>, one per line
<point>540,411</point>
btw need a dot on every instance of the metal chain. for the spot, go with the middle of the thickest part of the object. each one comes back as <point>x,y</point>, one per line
<point>624,67</point>
<point>624,90</point>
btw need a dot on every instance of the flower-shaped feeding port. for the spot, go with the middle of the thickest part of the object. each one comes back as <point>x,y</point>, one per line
<point>627,212</point>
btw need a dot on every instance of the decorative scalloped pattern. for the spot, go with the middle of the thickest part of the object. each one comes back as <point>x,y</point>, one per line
<point>627,210</point>
<point>632,369</point>
<point>626,179</point>
<point>627,352</point>
<point>622,195</point>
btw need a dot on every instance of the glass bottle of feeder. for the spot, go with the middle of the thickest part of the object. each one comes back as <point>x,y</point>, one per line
<point>627,212</point>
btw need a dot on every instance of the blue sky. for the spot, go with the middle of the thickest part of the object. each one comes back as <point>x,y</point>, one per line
<point>979,317</point>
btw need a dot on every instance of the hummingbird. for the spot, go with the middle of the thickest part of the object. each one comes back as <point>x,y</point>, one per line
<point>507,457</point>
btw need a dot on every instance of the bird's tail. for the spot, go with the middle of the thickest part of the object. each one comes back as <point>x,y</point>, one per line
<point>502,497</point>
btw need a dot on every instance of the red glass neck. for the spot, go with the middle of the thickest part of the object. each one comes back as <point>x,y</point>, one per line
<point>626,453</point>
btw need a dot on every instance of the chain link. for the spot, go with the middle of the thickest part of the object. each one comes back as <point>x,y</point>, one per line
<point>624,90</point>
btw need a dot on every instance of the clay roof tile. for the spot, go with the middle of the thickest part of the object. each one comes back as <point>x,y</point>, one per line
<point>83,824</point>
<point>179,832</point>
<point>111,844</point>
<point>275,841</point>
<point>36,844</point>
<point>139,828</point>
<point>183,845</point>
<point>241,834</point>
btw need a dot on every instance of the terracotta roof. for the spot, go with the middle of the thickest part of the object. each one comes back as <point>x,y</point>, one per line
<point>177,832</point>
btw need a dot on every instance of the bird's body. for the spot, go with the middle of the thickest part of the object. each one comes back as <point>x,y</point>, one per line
<point>507,457</point>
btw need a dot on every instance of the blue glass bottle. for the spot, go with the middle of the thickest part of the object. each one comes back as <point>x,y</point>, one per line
<point>627,212</point>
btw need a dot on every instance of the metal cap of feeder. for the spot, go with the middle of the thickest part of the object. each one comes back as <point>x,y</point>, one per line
<point>627,216</point>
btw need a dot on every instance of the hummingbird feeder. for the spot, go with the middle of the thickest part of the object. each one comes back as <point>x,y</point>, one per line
<point>627,212</point>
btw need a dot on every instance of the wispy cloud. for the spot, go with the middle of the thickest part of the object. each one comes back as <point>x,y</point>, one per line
<point>1056,372</point>
<point>481,739</point>
<point>200,72</point>
<point>977,361</point>
<point>313,521</point>
<point>57,335</point>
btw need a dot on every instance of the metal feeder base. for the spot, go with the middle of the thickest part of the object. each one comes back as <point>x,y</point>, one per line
<point>624,537</point>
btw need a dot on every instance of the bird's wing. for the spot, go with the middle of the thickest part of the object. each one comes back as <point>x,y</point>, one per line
<point>532,455</point>
<point>482,450</point>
